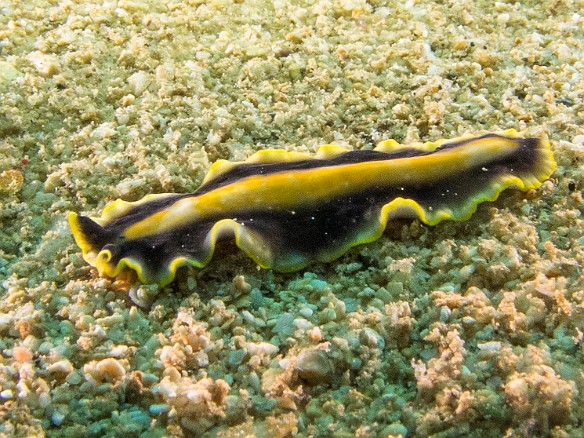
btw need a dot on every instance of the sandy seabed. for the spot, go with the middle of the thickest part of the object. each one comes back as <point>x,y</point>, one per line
<point>469,328</point>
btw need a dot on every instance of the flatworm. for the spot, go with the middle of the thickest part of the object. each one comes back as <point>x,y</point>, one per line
<point>287,209</point>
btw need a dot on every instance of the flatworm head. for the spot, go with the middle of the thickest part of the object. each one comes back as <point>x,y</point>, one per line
<point>288,209</point>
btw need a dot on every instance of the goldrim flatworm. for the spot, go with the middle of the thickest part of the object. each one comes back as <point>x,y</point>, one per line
<point>288,209</point>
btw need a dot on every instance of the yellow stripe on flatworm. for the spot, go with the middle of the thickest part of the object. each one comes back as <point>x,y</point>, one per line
<point>281,190</point>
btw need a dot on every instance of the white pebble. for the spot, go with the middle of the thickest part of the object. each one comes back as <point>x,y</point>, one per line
<point>579,139</point>
<point>5,320</point>
<point>63,366</point>
<point>7,394</point>
<point>138,82</point>
<point>302,323</point>
<point>99,331</point>
<point>248,316</point>
<point>490,346</point>
<point>119,350</point>
<point>261,348</point>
